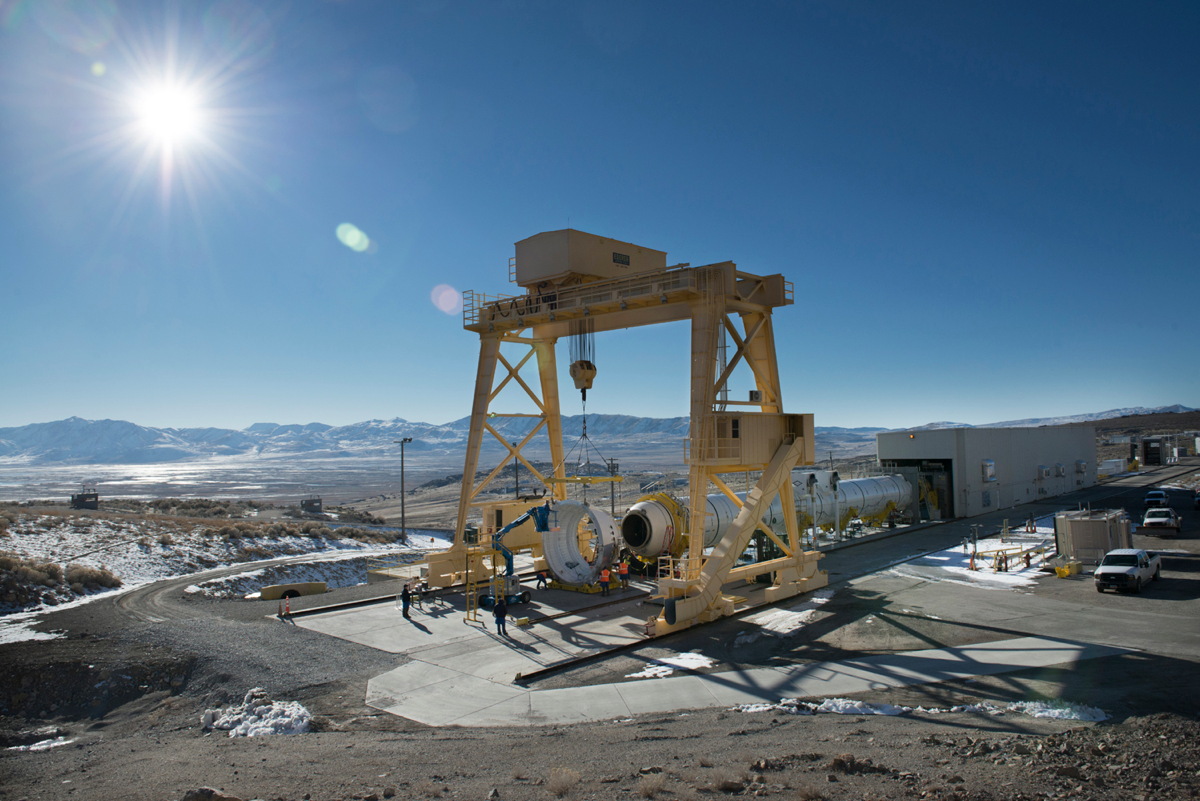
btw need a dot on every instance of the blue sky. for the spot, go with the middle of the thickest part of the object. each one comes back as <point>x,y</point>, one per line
<point>988,210</point>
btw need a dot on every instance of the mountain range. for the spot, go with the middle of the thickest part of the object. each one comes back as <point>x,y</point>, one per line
<point>79,441</point>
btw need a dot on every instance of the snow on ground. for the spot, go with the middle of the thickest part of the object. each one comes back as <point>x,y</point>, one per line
<point>954,564</point>
<point>140,551</point>
<point>15,628</point>
<point>783,622</point>
<point>1061,710</point>
<point>666,665</point>
<point>43,745</point>
<point>337,571</point>
<point>258,715</point>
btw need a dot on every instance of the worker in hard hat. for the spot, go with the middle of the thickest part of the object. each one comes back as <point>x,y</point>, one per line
<point>604,577</point>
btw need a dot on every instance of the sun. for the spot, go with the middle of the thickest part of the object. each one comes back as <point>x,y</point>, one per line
<point>168,114</point>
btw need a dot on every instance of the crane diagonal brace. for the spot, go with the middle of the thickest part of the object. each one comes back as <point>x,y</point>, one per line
<point>724,556</point>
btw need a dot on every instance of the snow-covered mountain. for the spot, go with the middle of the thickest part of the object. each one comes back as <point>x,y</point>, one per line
<point>1111,414</point>
<point>79,441</point>
<point>1034,422</point>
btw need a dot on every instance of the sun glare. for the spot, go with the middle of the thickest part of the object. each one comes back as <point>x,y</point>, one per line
<point>168,114</point>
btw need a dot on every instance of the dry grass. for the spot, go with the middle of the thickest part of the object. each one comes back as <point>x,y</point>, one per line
<point>31,571</point>
<point>562,781</point>
<point>91,578</point>
<point>651,784</point>
<point>728,781</point>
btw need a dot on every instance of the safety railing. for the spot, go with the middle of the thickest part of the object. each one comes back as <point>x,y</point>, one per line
<point>479,307</point>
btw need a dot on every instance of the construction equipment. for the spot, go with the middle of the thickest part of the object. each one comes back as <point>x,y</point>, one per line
<point>509,584</point>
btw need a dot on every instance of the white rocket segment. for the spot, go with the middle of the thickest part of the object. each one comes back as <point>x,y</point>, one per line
<point>649,527</point>
<point>561,548</point>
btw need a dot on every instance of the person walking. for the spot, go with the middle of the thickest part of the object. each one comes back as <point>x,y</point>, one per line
<point>623,573</point>
<point>405,600</point>
<point>500,610</point>
<point>604,577</point>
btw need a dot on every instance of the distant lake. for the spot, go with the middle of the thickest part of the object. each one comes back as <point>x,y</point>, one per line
<point>267,479</point>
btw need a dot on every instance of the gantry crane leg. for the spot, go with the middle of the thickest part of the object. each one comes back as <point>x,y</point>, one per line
<point>462,559</point>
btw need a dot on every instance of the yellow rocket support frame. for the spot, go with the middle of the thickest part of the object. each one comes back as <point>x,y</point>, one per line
<point>726,436</point>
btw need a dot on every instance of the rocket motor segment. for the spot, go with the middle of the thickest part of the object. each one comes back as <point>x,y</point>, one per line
<point>560,545</point>
<point>651,525</point>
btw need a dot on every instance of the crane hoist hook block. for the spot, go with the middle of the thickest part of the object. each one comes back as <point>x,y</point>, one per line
<point>582,373</point>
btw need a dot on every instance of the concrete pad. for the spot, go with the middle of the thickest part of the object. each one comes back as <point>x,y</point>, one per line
<point>577,705</point>
<point>462,673</point>
<point>484,657</point>
<point>819,680</point>
<point>410,678</point>
<point>436,703</point>
<point>508,712</point>
<point>667,695</point>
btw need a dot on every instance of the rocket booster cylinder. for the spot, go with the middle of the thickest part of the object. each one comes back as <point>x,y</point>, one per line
<point>651,525</point>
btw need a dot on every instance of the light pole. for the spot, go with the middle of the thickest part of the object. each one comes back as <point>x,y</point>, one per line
<point>612,495</point>
<point>403,517</point>
<point>516,476</point>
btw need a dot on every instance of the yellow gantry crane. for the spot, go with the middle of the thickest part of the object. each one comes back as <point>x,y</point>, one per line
<point>577,281</point>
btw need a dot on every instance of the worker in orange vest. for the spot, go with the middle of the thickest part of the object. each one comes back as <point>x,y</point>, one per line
<point>623,572</point>
<point>604,575</point>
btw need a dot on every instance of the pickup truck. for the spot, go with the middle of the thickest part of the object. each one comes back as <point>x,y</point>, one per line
<point>1161,518</point>
<point>1156,499</point>
<point>1127,569</point>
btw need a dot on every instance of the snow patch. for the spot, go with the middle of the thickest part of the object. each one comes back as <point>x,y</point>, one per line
<point>954,564</point>
<point>43,745</point>
<point>17,628</point>
<point>1061,710</point>
<point>257,716</point>
<point>783,622</point>
<point>666,665</point>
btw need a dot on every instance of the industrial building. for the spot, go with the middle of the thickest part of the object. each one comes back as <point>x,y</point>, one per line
<point>963,472</point>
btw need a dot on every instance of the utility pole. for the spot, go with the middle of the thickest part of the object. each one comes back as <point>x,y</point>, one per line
<point>612,485</point>
<point>403,517</point>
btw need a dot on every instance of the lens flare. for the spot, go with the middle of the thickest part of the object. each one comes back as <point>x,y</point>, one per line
<point>350,236</point>
<point>446,299</point>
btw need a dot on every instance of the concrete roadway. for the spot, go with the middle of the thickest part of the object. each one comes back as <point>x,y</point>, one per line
<point>459,672</point>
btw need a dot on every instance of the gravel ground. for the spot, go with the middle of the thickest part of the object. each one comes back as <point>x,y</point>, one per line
<point>116,705</point>
<point>143,739</point>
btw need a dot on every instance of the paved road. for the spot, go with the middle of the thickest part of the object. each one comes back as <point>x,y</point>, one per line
<point>165,600</point>
<point>1164,619</point>
<point>1174,598</point>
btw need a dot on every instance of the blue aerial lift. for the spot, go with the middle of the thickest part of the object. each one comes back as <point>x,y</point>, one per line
<point>510,582</point>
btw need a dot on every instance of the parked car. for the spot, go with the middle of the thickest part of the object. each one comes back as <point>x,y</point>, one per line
<point>1196,500</point>
<point>1156,499</point>
<point>1162,518</point>
<point>1127,570</point>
